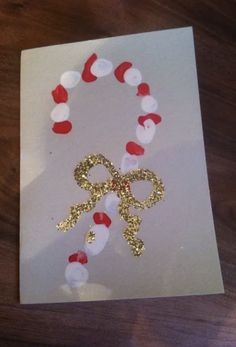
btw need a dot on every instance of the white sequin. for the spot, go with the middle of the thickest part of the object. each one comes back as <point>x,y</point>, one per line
<point>60,113</point>
<point>76,274</point>
<point>149,104</point>
<point>146,132</point>
<point>101,67</point>
<point>111,203</point>
<point>102,234</point>
<point>70,79</point>
<point>129,162</point>
<point>132,76</point>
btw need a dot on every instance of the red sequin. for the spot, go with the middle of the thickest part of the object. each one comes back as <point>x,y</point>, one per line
<point>60,94</point>
<point>62,127</point>
<point>87,75</point>
<point>120,70</point>
<point>134,148</point>
<point>154,117</point>
<point>80,257</point>
<point>102,218</point>
<point>143,89</point>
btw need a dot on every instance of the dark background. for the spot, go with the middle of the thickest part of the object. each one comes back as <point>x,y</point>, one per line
<point>189,321</point>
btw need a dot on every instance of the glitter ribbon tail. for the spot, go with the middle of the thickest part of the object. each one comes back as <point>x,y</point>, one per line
<point>74,215</point>
<point>136,245</point>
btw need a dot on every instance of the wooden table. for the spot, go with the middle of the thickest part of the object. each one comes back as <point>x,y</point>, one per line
<point>204,321</point>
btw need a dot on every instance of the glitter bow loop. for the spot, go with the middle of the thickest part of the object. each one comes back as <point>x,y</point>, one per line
<point>120,184</point>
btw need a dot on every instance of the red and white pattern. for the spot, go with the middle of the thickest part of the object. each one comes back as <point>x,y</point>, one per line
<point>76,273</point>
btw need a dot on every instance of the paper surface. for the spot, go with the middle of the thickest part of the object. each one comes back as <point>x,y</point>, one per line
<point>180,256</point>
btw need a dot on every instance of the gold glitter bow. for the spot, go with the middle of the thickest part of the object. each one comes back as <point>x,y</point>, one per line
<point>120,184</point>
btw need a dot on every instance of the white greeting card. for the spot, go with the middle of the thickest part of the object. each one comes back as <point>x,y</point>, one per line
<point>114,192</point>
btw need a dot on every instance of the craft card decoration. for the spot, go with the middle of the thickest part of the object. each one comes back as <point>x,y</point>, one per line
<point>114,193</point>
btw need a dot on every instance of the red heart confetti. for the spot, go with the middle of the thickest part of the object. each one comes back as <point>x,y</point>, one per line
<point>134,148</point>
<point>143,89</point>
<point>62,127</point>
<point>80,257</point>
<point>87,76</point>
<point>120,70</point>
<point>102,218</point>
<point>60,94</point>
<point>154,117</point>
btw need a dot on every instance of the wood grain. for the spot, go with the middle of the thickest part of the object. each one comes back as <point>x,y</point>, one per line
<point>204,321</point>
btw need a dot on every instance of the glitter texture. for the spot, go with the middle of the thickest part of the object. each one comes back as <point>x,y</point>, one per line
<point>90,236</point>
<point>120,184</point>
